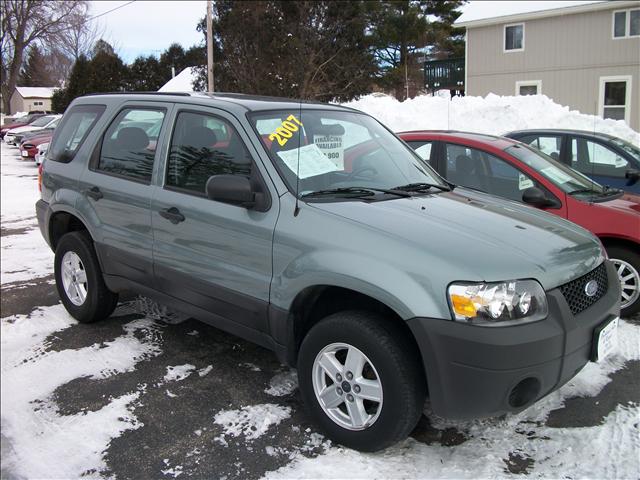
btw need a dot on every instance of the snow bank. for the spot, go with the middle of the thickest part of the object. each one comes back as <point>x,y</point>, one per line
<point>492,114</point>
<point>183,82</point>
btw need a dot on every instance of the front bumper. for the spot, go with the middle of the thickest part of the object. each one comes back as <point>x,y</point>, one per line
<point>477,371</point>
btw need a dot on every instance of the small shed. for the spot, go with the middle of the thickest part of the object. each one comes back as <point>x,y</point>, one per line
<point>28,99</point>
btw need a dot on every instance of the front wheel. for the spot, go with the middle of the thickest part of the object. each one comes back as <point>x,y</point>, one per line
<point>627,265</point>
<point>361,379</point>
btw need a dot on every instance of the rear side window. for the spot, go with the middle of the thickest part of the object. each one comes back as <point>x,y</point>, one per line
<point>72,131</point>
<point>202,146</point>
<point>129,144</point>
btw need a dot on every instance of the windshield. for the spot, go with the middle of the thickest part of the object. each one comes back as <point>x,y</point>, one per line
<point>629,148</point>
<point>563,177</point>
<point>41,122</point>
<point>328,150</point>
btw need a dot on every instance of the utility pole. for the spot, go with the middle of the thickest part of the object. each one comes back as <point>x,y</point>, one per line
<point>210,83</point>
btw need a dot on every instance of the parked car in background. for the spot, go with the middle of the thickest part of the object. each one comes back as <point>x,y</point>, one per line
<point>21,122</point>
<point>29,148</point>
<point>607,159</point>
<point>510,169</point>
<point>269,219</point>
<point>23,136</point>
<point>41,153</point>
<point>43,122</point>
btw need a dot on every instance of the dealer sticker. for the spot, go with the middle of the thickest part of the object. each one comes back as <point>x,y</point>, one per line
<point>608,339</point>
<point>332,147</point>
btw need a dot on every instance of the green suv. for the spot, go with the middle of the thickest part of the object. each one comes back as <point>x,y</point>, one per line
<point>312,230</point>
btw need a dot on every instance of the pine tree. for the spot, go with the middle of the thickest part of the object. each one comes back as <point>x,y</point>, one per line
<point>35,72</point>
<point>76,86</point>
<point>145,74</point>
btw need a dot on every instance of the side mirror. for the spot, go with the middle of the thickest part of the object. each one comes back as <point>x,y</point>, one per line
<point>233,189</point>
<point>536,197</point>
<point>632,175</point>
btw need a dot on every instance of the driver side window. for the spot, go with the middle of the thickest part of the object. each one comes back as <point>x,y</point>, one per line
<point>592,158</point>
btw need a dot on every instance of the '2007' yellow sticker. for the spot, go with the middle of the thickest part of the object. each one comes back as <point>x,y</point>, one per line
<point>286,130</point>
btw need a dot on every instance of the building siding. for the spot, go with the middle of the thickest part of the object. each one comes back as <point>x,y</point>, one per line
<point>19,104</point>
<point>568,53</point>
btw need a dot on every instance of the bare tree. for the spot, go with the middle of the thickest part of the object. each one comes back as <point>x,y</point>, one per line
<point>25,22</point>
<point>81,35</point>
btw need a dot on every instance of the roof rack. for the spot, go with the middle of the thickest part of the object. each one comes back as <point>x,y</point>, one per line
<point>179,94</point>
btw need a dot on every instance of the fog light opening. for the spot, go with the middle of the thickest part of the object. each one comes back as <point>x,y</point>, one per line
<point>524,392</point>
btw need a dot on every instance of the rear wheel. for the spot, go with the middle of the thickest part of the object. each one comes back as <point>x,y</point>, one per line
<point>627,264</point>
<point>79,279</point>
<point>361,380</point>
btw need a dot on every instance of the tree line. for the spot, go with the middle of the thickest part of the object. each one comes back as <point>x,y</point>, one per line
<point>321,50</point>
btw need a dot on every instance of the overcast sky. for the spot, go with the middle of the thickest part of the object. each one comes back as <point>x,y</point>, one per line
<point>149,27</point>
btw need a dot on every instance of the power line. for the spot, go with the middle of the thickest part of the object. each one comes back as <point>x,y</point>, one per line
<point>112,10</point>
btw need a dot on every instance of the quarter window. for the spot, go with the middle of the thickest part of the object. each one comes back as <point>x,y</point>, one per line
<point>514,37</point>
<point>203,146</point>
<point>546,144</point>
<point>72,130</point>
<point>129,144</point>
<point>423,149</point>
<point>626,23</point>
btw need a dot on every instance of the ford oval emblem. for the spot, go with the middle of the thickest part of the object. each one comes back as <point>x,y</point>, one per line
<point>591,288</point>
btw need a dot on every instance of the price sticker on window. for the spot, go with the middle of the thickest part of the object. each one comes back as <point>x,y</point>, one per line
<point>332,147</point>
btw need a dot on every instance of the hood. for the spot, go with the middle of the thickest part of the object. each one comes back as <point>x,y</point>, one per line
<point>628,203</point>
<point>25,128</point>
<point>478,237</point>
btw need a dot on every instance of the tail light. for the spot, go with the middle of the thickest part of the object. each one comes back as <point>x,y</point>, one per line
<point>40,177</point>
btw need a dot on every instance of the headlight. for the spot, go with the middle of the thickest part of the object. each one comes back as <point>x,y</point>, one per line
<point>499,303</point>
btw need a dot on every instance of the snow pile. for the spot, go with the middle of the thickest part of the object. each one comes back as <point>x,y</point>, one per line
<point>252,421</point>
<point>283,383</point>
<point>67,445</point>
<point>492,114</point>
<point>179,372</point>
<point>183,82</point>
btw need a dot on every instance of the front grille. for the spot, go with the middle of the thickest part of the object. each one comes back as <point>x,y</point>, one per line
<point>574,291</point>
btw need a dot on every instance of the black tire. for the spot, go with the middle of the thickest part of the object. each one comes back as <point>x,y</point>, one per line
<point>397,362</point>
<point>100,302</point>
<point>632,258</point>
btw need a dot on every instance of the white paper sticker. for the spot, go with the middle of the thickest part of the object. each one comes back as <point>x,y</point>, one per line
<point>312,161</point>
<point>555,174</point>
<point>332,147</point>
<point>524,182</point>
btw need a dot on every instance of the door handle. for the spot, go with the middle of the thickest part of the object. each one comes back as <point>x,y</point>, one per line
<point>94,193</point>
<point>172,214</point>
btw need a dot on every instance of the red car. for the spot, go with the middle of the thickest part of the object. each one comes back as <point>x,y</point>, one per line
<point>29,148</point>
<point>510,169</point>
<point>22,122</point>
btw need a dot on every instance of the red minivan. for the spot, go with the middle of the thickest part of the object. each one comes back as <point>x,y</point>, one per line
<point>510,169</point>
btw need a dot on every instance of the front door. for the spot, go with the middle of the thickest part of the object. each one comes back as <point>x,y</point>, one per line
<point>213,255</point>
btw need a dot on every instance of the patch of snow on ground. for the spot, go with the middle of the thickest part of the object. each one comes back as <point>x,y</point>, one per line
<point>283,383</point>
<point>179,372</point>
<point>66,445</point>
<point>252,421</point>
<point>492,114</point>
<point>205,371</point>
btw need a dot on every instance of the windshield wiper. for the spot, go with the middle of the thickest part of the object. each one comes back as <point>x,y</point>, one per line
<point>421,186</point>
<point>356,192</point>
<point>607,191</point>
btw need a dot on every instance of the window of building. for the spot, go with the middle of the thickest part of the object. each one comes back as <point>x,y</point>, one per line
<point>128,147</point>
<point>626,23</point>
<point>203,146</point>
<point>514,37</point>
<point>529,87</point>
<point>37,103</point>
<point>615,97</point>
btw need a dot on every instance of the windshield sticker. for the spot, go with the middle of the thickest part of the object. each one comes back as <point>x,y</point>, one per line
<point>524,182</point>
<point>312,161</point>
<point>556,175</point>
<point>332,147</point>
<point>286,130</point>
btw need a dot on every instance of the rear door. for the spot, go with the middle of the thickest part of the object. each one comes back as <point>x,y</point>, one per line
<point>213,255</point>
<point>117,187</point>
<point>601,162</point>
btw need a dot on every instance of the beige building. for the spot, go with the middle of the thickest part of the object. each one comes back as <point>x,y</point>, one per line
<point>584,56</point>
<point>27,99</point>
